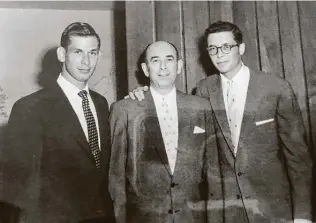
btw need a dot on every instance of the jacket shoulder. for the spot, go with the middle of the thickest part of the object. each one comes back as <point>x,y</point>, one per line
<point>124,104</point>
<point>269,80</point>
<point>194,101</point>
<point>208,80</point>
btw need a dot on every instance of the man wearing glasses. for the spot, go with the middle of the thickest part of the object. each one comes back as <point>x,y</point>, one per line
<point>263,151</point>
<point>263,154</point>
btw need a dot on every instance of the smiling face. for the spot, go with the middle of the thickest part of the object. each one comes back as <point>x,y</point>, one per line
<point>162,65</point>
<point>79,59</point>
<point>228,64</point>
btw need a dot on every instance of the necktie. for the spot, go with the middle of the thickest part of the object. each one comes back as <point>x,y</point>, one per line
<point>169,135</point>
<point>232,115</point>
<point>92,128</point>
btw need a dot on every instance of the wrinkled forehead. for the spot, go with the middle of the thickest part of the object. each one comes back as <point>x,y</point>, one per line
<point>161,50</point>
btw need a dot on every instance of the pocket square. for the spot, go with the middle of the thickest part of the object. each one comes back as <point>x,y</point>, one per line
<point>265,121</point>
<point>198,130</point>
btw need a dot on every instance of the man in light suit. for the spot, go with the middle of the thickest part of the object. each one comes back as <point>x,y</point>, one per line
<point>164,165</point>
<point>265,162</point>
<point>264,156</point>
<point>55,164</point>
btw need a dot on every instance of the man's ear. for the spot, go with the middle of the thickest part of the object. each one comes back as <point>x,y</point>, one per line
<point>180,66</point>
<point>61,54</point>
<point>145,69</point>
<point>242,48</point>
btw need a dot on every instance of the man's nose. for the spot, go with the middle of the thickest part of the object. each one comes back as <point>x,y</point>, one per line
<point>85,60</point>
<point>219,52</point>
<point>163,65</point>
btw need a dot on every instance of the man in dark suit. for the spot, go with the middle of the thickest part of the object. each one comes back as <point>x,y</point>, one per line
<point>164,165</point>
<point>55,164</point>
<point>264,156</point>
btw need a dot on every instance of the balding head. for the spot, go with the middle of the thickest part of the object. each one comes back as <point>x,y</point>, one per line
<point>158,44</point>
<point>162,65</point>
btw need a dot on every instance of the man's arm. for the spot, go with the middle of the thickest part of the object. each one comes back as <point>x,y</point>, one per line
<point>215,198</point>
<point>293,141</point>
<point>117,179</point>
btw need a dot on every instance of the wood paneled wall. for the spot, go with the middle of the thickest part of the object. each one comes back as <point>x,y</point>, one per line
<point>279,37</point>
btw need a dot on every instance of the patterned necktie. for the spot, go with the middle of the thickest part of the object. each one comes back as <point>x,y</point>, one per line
<point>169,135</point>
<point>232,120</point>
<point>92,128</point>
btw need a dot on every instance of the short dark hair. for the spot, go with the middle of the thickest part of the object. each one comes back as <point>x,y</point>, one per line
<point>223,26</point>
<point>78,29</point>
<point>144,54</point>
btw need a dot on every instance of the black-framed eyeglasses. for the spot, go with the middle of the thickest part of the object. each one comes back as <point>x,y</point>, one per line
<point>213,50</point>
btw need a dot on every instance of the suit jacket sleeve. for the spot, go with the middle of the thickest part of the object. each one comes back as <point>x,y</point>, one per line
<point>198,91</point>
<point>214,179</point>
<point>293,141</point>
<point>118,123</point>
<point>202,89</point>
<point>21,156</point>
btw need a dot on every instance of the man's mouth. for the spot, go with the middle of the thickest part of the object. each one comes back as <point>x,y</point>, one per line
<point>222,62</point>
<point>163,74</point>
<point>84,70</point>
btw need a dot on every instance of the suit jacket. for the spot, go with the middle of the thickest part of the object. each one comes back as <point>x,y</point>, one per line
<point>269,178</point>
<point>142,186</point>
<point>49,170</point>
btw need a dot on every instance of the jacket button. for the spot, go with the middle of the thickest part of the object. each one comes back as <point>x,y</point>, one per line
<point>238,196</point>
<point>173,184</point>
<point>170,211</point>
<point>239,174</point>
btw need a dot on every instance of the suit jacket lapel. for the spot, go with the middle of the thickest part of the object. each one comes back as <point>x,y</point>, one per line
<point>250,109</point>
<point>217,101</point>
<point>67,115</point>
<point>104,133</point>
<point>183,125</point>
<point>151,123</point>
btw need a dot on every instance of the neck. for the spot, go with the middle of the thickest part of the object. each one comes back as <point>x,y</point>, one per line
<point>233,72</point>
<point>162,91</point>
<point>79,84</point>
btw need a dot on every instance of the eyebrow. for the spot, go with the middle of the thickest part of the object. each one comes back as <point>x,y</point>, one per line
<point>79,49</point>
<point>222,44</point>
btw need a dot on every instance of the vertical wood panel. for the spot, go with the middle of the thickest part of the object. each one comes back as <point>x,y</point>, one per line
<point>139,33</point>
<point>221,10</point>
<point>308,32</point>
<point>269,42</point>
<point>195,17</point>
<point>120,49</point>
<point>292,53</point>
<point>169,28</point>
<point>244,14</point>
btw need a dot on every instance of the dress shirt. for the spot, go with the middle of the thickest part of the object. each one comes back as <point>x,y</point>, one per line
<point>235,94</point>
<point>167,112</point>
<point>71,92</point>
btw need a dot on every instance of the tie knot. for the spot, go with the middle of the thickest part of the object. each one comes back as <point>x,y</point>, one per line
<point>83,94</point>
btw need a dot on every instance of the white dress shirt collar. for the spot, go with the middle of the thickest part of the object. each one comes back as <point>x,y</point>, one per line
<point>69,89</point>
<point>156,94</point>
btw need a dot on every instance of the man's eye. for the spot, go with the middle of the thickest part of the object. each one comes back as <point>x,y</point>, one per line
<point>93,53</point>
<point>170,59</point>
<point>76,51</point>
<point>154,61</point>
<point>225,47</point>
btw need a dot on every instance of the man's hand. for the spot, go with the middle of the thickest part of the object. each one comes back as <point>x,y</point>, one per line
<point>137,93</point>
